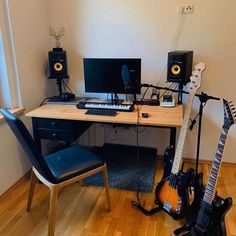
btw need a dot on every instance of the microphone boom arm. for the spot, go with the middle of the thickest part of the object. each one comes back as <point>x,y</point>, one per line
<point>202,95</point>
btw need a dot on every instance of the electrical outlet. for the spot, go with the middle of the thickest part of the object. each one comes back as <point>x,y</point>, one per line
<point>188,9</point>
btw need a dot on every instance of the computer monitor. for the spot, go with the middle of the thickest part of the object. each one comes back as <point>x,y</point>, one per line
<point>103,75</point>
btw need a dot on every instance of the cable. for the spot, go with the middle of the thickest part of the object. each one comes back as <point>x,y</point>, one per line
<point>178,31</point>
<point>65,84</point>
<point>137,204</point>
<point>166,91</point>
<point>137,131</point>
<point>174,43</point>
<point>193,121</point>
<point>175,87</point>
<point>44,100</point>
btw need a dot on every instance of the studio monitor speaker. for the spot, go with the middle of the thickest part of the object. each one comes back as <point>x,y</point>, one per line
<point>179,66</point>
<point>57,64</point>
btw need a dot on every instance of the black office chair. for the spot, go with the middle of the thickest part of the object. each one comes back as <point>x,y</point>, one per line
<point>58,169</point>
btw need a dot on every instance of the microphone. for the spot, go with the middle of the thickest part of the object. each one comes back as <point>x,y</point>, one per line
<point>125,75</point>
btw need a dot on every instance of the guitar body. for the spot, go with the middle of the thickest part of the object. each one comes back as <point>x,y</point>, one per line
<point>216,223</point>
<point>174,199</point>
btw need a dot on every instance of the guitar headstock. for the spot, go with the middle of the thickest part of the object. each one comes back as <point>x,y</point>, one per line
<point>196,79</point>
<point>229,113</point>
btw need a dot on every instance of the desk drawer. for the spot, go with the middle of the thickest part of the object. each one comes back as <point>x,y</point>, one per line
<point>63,135</point>
<point>56,124</point>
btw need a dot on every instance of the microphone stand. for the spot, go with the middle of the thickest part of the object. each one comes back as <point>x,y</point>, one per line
<point>203,97</point>
<point>203,100</point>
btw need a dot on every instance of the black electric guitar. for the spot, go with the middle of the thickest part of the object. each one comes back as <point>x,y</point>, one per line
<point>172,192</point>
<point>209,214</point>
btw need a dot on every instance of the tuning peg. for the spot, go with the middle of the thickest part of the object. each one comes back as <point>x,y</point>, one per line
<point>230,101</point>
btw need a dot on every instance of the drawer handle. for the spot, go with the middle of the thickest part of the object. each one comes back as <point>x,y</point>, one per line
<point>53,124</point>
<point>54,135</point>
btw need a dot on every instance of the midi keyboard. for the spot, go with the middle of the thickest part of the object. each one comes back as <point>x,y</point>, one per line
<point>105,106</point>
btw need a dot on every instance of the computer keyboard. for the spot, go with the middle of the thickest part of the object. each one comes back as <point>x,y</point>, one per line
<point>101,112</point>
<point>105,106</point>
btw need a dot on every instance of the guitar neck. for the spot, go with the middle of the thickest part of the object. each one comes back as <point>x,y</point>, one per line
<point>211,186</point>
<point>179,149</point>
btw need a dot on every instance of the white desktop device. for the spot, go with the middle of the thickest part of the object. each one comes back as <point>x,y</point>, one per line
<point>168,101</point>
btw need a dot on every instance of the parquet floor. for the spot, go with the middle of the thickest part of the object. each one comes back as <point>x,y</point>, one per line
<point>82,210</point>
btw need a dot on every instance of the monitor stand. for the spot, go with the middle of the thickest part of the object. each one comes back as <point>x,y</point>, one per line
<point>115,99</point>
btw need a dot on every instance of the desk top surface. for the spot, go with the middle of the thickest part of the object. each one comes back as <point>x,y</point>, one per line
<point>158,116</point>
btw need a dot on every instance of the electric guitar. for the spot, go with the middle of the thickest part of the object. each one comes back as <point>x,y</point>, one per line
<point>172,191</point>
<point>210,218</point>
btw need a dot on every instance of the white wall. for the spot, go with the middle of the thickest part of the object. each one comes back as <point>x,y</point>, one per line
<point>13,162</point>
<point>30,33</point>
<point>139,28</point>
<point>31,39</point>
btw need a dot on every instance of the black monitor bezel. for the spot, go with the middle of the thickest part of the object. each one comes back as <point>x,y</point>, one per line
<point>130,90</point>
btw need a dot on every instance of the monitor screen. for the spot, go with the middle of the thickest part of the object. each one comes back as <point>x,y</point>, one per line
<point>103,75</point>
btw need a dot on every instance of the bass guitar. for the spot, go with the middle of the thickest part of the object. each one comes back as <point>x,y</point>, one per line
<point>210,212</point>
<point>172,191</point>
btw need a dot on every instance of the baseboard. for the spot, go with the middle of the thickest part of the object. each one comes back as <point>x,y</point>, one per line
<point>225,163</point>
<point>15,185</point>
<point>203,161</point>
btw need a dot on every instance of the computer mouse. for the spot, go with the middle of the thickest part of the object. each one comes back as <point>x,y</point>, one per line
<point>145,115</point>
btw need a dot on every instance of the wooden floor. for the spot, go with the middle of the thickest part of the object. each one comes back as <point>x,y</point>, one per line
<point>82,210</point>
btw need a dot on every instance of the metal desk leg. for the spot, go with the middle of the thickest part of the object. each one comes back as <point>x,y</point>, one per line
<point>172,136</point>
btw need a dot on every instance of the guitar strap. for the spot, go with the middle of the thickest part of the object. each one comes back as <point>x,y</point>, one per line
<point>137,205</point>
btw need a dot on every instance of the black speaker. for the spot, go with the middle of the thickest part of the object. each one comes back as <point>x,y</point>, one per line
<point>179,66</point>
<point>57,64</point>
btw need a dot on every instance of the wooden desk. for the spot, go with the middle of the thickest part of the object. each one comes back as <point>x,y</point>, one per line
<point>60,122</point>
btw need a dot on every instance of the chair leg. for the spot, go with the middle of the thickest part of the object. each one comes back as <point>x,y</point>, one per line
<point>54,190</point>
<point>33,181</point>
<point>106,183</point>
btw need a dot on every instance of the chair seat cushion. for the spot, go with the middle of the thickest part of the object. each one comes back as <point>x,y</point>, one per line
<point>71,162</point>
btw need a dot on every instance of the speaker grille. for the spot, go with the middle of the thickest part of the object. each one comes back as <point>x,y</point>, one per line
<point>57,64</point>
<point>179,66</point>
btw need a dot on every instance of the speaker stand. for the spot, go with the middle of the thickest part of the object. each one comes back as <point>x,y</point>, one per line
<point>59,84</point>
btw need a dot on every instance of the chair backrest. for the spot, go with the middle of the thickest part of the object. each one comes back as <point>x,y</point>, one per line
<point>27,142</point>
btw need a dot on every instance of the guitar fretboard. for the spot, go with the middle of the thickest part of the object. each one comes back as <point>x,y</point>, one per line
<point>179,149</point>
<point>211,186</point>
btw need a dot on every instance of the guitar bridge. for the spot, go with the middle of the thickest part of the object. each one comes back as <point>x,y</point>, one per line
<point>167,206</point>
